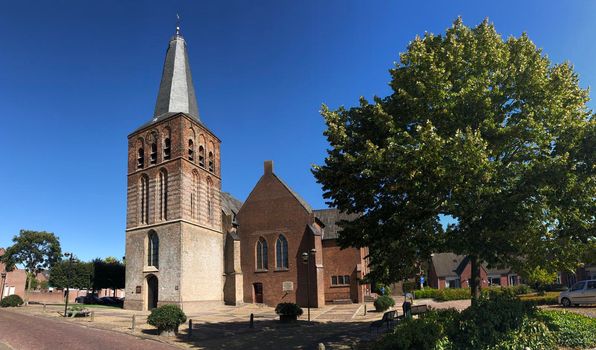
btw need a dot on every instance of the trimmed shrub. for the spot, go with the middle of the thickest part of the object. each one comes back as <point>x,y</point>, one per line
<point>288,309</point>
<point>570,329</point>
<point>166,318</point>
<point>549,298</point>
<point>11,301</point>
<point>443,294</point>
<point>384,302</point>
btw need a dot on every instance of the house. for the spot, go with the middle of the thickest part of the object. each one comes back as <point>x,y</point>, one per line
<point>449,270</point>
<point>289,250</point>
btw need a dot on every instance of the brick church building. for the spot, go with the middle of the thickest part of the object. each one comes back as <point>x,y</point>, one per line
<point>188,243</point>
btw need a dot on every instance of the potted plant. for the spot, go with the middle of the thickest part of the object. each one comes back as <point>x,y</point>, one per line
<point>384,302</point>
<point>166,318</point>
<point>288,312</point>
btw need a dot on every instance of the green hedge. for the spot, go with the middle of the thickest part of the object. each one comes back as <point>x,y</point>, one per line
<point>549,298</point>
<point>11,301</point>
<point>443,294</point>
<point>166,318</point>
<point>498,321</point>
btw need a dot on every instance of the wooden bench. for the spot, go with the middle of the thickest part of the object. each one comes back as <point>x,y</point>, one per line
<point>388,319</point>
<point>416,310</point>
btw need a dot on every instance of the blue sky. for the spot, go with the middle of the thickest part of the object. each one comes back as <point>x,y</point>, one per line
<point>78,76</point>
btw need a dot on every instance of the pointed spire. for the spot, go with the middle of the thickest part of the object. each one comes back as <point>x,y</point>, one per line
<point>176,90</point>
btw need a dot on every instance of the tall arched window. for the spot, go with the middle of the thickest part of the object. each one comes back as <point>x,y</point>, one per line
<point>202,156</point>
<point>153,158</point>
<point>211,162</point>
<point>262,254</point>
<point>167,148</point>
<point>281,252</point>
<point>153,249</point>
<point>210,200</point>
<point>140,158</point>
<point>144,200</point>
<point>163,194</point>
<point>191,150</point>
<point>194,196</point>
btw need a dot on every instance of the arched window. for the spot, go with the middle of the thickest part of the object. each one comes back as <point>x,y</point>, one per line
<point>261,254</point>
<point>191,150</point>
<point>163,194</point>
<point>144,200</point>
<point>140,158</point>
<point>194,196</point>
<point>281,252</point>
<point>202,156</point>
<point>153,158</point>
<point>211,162</point>
<point>153,249</point>
<point>167,148</point>
<point>210,200</point>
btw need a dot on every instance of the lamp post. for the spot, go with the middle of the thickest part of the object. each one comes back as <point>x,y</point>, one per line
<point>306,261</point>
<point>3,282</point>
<point>70,257</point>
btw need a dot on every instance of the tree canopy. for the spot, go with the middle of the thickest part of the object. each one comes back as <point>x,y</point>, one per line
<point>484,131</point>
<point>75,274</point>
<point>35,250</point>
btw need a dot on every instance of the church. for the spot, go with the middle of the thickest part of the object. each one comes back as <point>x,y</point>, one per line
<point>188,243</point>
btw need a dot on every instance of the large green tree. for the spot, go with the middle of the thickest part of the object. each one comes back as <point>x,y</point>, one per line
<point>35,250</point>
<point>72,274</point>
<point>480,130</point>
<point>108,273</point>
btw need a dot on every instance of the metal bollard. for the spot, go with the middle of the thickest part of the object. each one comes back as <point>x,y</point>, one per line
<point>364,309</point>
<point>44,307</point>
<point>252,321</point>
<point>92,316</point>
<point>134,321</point>
<point>190,328</point>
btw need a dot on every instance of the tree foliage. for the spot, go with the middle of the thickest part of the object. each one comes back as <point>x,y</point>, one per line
<point>75,274</point>
<point>482,130</point>
<point>108,274</point>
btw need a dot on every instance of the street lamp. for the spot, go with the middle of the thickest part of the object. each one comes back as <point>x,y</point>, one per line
<point>70,257</point>
<point>306,261</point>
<point>3,282</point>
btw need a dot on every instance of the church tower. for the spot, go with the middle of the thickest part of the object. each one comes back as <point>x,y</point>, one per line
<point>174,239</point>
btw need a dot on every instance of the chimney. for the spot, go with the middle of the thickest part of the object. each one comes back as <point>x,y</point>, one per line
<point>268,167</point>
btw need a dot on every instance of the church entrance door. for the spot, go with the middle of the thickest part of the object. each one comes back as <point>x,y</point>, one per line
<point>152,293</point>
<point>258,289</point>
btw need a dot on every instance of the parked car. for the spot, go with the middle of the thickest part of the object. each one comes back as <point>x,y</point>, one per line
<point>88,299</point>
<point>583,292</point>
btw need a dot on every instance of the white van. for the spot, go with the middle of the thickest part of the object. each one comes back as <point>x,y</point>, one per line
<point>583,292</point>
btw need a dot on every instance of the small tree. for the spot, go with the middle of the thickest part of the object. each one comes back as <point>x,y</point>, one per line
<point>166,318</point>
<point>35,250</point>
<point>108,273</point>
<point>75,274</point>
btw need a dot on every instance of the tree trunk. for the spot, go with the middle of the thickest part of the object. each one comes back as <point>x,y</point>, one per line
<point>27,287</point>
<point>475,283</point>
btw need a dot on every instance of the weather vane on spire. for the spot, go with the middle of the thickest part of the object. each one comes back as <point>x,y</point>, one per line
<point>177,24</point>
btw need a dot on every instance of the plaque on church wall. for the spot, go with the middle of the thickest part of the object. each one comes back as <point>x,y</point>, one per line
<point>288,286</point>
<point>138,291</point>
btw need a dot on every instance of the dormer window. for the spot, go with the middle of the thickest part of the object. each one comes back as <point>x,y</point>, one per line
<point>202,156</point>
<point>166,149</point>
<point>140,158</point>
<point>211,163</point>
<point>191,150</point>
<point>153,153</point>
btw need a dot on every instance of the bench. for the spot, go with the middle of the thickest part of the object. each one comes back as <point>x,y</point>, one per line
<point>388,319</point>
<point>416,310</point>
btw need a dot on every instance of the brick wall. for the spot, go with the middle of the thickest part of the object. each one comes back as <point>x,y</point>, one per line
<point>340,262</point>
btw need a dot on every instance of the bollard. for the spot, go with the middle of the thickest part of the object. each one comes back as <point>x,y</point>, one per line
<point>364,309</point>
<point>190,328</point>
<point>44,307</point>
<point>252,321</point>
<point>92,316</point>
<point>134,320</point>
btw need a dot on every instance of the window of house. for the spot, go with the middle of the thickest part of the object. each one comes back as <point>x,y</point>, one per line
<point>452,283</point>
<point>153,157</point>
<point>163,195</point>
<point>340,280</point>
<point>167,148</point>
<point>211,162</point>
<point>494,280</point>
<point>191,150</point>
<point>262,254</point>
<point>140,158</point>
<point>281,252</point>
<point>153,250</point>
<point>202,156</point>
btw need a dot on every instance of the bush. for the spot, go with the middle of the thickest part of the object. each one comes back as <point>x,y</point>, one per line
<point>11,301</point>
<point>408,286</point>
<point>384,302</point>
<point>166,318</point>
<point>549,298</point>
<point>427,332</point>
<point>532,334</point>
<point>443,294</point>
<point>570,329</point>
<point>288,309</point>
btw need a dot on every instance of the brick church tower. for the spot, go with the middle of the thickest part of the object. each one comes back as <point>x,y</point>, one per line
<point>174,238</point>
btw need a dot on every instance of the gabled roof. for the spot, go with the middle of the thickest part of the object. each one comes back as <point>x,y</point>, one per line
<point>446,264</point>
<point>229,204</point>
<point>295,194</point>
<point>330,218</point>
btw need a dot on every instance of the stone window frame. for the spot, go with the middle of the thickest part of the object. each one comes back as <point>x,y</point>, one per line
<point>140,147</point>
<point>167,144</point>
<point>152,249</point>
<point>261,254</point>
<point>340,280</point>
<point>195,195</point>
<point>162,187</point>
<point>281,244</point>
<point>143,199</point>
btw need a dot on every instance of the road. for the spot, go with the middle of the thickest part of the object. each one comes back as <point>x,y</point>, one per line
<point>26,332</point>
